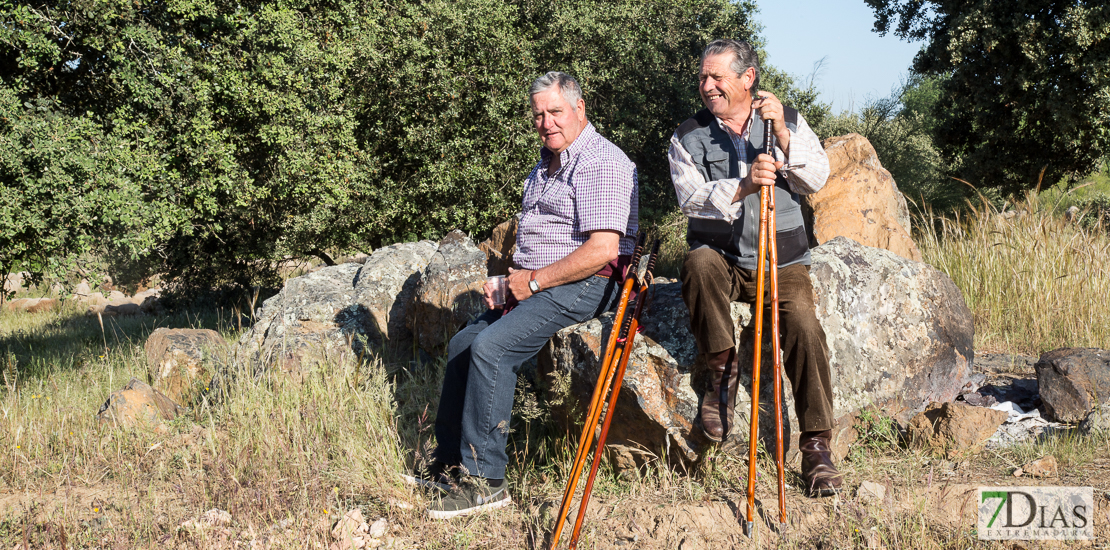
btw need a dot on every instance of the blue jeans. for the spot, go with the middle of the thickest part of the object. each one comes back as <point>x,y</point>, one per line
<point>483,360</point>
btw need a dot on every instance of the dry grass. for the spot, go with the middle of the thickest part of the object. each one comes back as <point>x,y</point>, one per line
<point>1034,281</point>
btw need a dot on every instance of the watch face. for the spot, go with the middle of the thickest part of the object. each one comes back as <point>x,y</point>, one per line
<point>533,286</point>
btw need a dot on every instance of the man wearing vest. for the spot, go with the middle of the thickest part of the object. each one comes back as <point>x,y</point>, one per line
<point>717,172</point>
<point>577,228</point>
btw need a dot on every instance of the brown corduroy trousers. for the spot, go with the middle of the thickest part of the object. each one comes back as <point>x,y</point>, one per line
<point>710,283</point>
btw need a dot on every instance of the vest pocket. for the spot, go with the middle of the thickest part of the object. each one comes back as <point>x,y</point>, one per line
<point>791,245</point>
<point>716,164</point>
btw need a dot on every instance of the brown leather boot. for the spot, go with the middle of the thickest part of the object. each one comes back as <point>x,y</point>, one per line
<point>820,475</point>
<point>719,401</point>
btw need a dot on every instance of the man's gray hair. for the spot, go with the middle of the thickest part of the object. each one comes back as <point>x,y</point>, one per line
<point>743,56</point>
<point>568,87</point>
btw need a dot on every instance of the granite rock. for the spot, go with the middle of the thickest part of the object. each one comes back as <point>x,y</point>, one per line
<point>182,361</point>
<point>339,311</point>
<point>137,405</point>
<point>954,428</point>
<point>860,200</point>
<point>1073,382</point>
<point>500,247</point>
<point>449,293</point>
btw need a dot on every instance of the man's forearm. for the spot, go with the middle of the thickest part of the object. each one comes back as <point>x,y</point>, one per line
<point>583,262</point>
<point>697,197</point>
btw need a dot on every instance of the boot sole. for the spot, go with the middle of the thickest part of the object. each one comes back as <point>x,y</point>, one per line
<point>818,493</point>
<point>714,439</point>
<point>710,437</point>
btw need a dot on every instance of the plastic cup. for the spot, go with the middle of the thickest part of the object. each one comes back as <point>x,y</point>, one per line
<point>498,286</point>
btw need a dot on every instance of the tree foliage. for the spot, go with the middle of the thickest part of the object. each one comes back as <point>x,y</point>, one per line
<point>243,132</point>
<point>203,139</point>
<point>1025,84</point>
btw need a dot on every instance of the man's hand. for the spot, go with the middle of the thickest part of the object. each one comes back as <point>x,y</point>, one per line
<point>762,175</point>
<point>518,283</point>
<point>770,108</point>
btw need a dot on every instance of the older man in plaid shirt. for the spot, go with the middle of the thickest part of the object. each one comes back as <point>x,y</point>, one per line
<point>717,170</point>
<point>578,220</point>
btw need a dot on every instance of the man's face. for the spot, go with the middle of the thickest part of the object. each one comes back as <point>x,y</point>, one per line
<point>556,122</point>
<point>726,94</point>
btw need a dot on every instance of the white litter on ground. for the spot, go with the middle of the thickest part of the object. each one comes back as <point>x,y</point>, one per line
<point>1021,426</point>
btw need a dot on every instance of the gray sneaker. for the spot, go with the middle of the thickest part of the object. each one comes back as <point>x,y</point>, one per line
<point>471,496</point>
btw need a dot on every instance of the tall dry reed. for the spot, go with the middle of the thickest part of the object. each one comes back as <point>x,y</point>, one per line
<point>1034,280</point>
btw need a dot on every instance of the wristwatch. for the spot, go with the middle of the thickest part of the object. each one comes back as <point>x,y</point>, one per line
<point>532,284</point>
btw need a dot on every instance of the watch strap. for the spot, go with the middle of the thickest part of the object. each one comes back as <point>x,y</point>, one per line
<point>532,284</point>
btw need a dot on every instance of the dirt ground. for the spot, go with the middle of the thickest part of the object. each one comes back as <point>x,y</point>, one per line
<point>933,508</point>
<point>937,511</point>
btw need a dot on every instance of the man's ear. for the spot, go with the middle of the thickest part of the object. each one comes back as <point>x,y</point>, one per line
<point>581,109</point>
<point>750,75</point>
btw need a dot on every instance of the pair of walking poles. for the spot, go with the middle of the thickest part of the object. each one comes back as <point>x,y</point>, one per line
<point>767,242</point>
<point>626,324</point>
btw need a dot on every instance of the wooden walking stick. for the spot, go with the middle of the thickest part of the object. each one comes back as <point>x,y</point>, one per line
<point>628,335</point>
<point>757,350</point>
<point>604,379</point>
<point>776,348</point>
<point>767,240</point>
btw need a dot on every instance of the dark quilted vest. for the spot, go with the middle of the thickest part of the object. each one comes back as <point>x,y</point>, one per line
<point>711,149</point>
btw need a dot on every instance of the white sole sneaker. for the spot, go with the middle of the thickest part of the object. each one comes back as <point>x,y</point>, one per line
<point>426,483</point>
<point>497,504</point>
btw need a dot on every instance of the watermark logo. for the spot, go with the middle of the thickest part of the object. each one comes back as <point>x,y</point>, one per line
<point>1036,513</point>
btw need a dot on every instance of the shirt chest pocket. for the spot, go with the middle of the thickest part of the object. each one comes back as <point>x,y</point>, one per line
<point>717,165</point>
<point>558,201</point>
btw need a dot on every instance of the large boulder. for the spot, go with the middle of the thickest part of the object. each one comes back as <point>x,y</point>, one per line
<point>860,200</point>
<point>182,361</point>
<point>339,310</point>
<point>899,336</point>
<point>1073,382</point>
<point>449,293</point>
<point>119,304</point>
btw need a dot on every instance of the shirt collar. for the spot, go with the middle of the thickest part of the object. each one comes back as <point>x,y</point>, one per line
<point>576,146</point>
<point>747,125</point>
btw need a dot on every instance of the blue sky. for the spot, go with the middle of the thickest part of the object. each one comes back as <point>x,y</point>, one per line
<point>859,63</point>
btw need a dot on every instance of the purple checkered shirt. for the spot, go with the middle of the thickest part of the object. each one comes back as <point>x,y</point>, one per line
<point>595,188</point>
